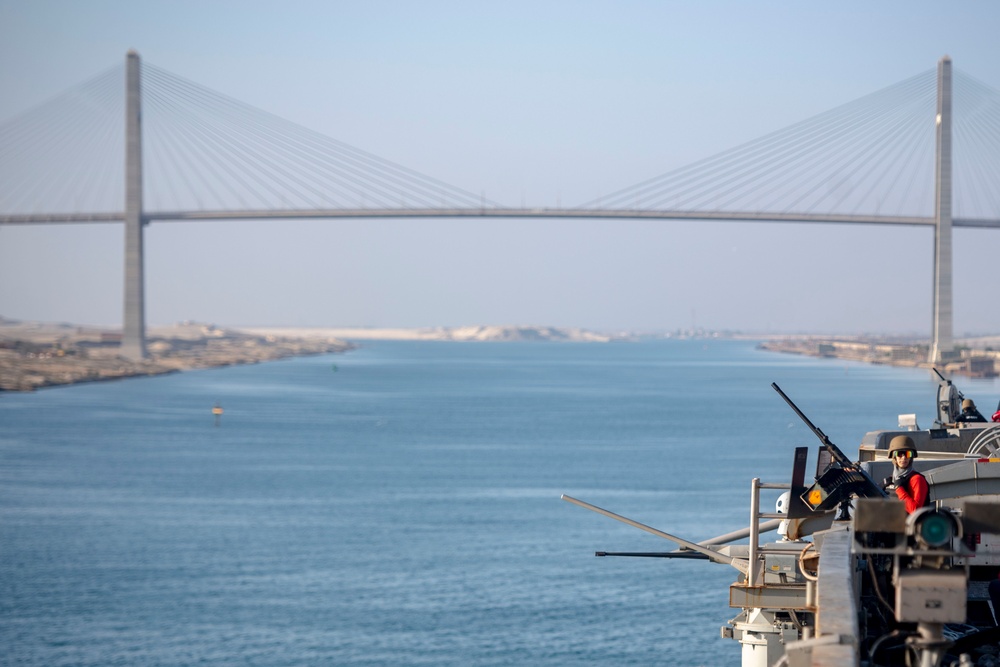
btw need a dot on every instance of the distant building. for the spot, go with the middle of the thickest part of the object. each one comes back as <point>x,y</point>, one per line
<point>982,367</point>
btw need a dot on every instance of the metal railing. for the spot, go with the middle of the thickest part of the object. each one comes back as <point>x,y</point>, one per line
<point>755,516</point>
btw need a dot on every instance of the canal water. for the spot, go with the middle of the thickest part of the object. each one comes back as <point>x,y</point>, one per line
<point>400,504</point>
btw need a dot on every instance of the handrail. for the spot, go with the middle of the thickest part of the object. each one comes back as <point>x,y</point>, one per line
<point>755,516</point>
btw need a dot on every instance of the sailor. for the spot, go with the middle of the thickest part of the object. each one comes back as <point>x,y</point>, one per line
<point>910,486</point>
<point>969,413</point>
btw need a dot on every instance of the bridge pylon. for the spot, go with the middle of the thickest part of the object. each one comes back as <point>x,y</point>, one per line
<point>942,343</point>
<point>133,344</point>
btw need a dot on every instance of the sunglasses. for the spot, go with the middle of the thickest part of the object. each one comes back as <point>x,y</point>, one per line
<point>903,454</point>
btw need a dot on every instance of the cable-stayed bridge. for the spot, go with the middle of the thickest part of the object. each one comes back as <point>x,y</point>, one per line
<point>925,151</point>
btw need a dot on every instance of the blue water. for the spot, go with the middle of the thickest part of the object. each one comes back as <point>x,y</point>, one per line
<point>404,508</point>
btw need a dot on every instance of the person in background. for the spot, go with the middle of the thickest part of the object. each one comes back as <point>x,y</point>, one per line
<point>910,486</point>
<point>994,591</point>
<point>969,413</point>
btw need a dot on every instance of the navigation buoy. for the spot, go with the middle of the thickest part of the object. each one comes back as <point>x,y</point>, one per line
<point>217,411</point>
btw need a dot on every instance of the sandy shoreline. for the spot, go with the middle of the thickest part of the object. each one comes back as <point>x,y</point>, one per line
<point>467,333</point>
<point>35,355</point>
<point>981,359</point>
<point>345,334</point>
<point>39,354</point>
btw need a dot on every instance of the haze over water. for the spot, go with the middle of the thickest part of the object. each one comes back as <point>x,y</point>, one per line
<point>399,505</point>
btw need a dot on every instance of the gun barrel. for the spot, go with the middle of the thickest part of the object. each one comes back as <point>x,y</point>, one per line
<point>653,554</point>
<point>815,429</point>
<point>713,555</point>
<point>834,450</point>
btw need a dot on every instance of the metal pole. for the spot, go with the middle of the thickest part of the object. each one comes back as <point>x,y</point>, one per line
<point>134,323</point>
<point>942,344</point>
<point>754,530</point>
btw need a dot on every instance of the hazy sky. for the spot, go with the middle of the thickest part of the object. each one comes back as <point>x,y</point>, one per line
<point>541,103</point>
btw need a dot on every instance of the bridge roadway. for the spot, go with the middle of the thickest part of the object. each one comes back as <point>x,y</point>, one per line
<point>292,214</point>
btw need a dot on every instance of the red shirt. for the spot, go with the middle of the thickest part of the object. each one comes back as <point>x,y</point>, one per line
<point>913,491</point>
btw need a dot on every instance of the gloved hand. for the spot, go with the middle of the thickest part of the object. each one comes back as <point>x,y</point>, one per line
<point>887,484</point>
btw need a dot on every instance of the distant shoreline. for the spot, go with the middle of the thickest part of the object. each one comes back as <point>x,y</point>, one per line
<point>982,360</point>
<point>468,333</point>
<point>560,333</point>
<point>35,355</point>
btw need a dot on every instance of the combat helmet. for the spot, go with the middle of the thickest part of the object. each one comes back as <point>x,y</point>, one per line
<point>967,404</point>
<point>902,442</point>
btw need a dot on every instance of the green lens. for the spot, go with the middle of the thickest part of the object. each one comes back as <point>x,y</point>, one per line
<point>936,530</point>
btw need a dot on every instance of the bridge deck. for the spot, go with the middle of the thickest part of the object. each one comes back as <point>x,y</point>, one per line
<point>291,214</point>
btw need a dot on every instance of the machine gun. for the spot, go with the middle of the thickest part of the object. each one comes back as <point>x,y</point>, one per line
<point>949,400</point>
<point>837,477</point>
